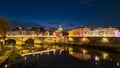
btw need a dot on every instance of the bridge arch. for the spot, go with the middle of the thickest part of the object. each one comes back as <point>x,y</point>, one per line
<point>29,41</point>
<point>10,41</point>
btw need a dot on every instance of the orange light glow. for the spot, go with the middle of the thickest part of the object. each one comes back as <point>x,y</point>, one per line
<point>85,40</point>
<point>105,40</point>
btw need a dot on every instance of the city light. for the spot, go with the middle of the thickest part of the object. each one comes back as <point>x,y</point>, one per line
<point>97,58</point>
<point>84,51</point>
<point>105,40</point>
<point>59,33</point>
<point>84,40</point>
<point>105,55</point>
<point>71,39</point>
<point>1,40</point>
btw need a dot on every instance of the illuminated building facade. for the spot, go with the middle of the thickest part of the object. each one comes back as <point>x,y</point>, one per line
<point>58,32</point>
<point>103,32</point>
<point>80,32</point>
<point>117,33</point>
<point>75,32</point>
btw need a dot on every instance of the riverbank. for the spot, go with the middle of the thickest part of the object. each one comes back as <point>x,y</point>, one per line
<point>4,55</point>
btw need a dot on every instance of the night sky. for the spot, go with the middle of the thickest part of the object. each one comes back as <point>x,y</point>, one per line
<point>68,13</point>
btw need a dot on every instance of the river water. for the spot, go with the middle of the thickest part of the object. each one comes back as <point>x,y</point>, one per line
<point>68,57</point>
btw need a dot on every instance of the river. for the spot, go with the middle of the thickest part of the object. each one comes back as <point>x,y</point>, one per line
<point>67,56</point>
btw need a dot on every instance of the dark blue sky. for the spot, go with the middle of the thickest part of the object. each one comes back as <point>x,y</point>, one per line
<point>69,13</point>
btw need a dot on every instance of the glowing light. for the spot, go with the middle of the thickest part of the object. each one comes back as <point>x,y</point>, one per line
<point>70,39</point>
<point>105,40</point>
<point>71,52</point>
<point>37,46</point>
<point>70,49</point>
<point>6,66</point>
<point>60,28</point>
<point>118,64</point>
<point>117,33</point>
<point>6,38</point>
<point>84,51</point>
<point>70,33</point>
<point>25,58</point>
<point>105,55</point>
<point>86,40</point>
<point>97,58</point>
<point>25,51</point>
<point>18,47</point>
<point>1,40</point>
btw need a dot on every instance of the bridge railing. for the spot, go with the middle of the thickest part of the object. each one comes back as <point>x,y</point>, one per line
<point>29,36</point>
<point>39,52</point>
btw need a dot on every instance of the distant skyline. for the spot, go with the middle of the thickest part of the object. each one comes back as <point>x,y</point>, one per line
<point>68,13</point>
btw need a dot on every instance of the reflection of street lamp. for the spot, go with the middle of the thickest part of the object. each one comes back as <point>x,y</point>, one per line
<point>6,66</point>
<point>12,48</point>
<point>84,52</point>
<point>70,40</point>
<point>97,58</point>
<point>105,55</point>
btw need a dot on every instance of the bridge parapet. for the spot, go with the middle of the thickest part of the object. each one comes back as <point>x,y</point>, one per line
<point>40,52</point>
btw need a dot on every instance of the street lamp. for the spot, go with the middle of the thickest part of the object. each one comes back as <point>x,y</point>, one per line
<point>1,44</point>
<point>1,41</point>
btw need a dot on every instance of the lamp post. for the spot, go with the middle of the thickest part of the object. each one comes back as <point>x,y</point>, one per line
<point>1,44</point>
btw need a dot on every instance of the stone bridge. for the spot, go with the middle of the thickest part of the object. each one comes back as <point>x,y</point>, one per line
<point>37,40</point>
<point>95,40</point>
<point>51,39</point>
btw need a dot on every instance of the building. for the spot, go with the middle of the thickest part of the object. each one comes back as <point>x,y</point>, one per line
<point>103,32</point>
<point>117,33</point>
<point>80,32</point>
<point>75,32</point>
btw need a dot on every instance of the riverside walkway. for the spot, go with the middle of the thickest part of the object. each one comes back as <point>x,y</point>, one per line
<point>4,56</point>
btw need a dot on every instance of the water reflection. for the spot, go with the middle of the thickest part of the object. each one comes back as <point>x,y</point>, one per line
<point>97,53</point>
<point>105,55</point>
<point>118,63</point>
<point>67,56</point>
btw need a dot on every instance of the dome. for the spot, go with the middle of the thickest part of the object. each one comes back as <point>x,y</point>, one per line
<point>60,28</point>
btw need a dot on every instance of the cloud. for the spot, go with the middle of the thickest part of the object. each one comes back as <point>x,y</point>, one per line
<point>103,24</point>
<point>15,23</point>
<point>54,23</point>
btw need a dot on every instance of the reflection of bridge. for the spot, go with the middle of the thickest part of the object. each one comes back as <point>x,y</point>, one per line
<point>82,56</point>
<point>42,52</point>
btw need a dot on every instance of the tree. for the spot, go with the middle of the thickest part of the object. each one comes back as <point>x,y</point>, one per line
<point>52,30</point>
<point>4,26</point>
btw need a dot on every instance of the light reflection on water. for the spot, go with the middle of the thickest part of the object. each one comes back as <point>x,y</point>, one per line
<point>63,58</point>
